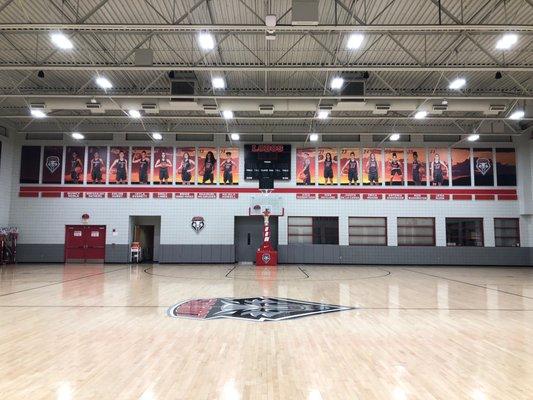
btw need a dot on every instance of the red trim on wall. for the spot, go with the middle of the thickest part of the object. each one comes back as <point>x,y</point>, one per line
<point>485,197</point>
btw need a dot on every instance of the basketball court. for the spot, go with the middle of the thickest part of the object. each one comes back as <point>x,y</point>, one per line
<point>266,199</point>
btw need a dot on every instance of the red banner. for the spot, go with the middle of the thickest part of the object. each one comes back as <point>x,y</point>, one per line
<point>439,196</point>
<point>228,196</point>
<point>73,195</point>
<point>394,196</point>
<point>372,196</point>
<point>162,195</point>
<point>416,196</point>
<point>306,196</point>
<point>117,195</point>
<point>95,195</point>
<point>206,195</point>
<point>184,195</point>
<point>350,196</point>
<point>139,195</point>
<point>328,196</point>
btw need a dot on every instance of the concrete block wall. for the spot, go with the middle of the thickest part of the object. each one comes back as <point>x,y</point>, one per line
<point>6,178</point>
<point>42,221</point>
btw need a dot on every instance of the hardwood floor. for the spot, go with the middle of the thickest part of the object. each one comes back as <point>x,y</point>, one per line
<point>102,332</point>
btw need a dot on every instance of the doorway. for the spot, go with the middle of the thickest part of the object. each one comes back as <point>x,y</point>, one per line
<point>85,243</point>
<point>146,231</point>
<point>249,236</point>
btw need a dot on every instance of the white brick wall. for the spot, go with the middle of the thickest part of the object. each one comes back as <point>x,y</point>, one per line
<point>43,220</point>
<point>6,173</point>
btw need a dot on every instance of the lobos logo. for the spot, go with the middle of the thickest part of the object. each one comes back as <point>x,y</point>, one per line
<point>266,258</point>
<point>483,165</point>
<point>197,223</point>
<point>52,163</point>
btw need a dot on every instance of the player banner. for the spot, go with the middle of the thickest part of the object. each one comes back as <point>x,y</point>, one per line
<point>229,166</point>
<point>483,167</point>
<point>327,166</point>
<point>394,166</point>
<point>163,165</point>
<point>350,166</point>
<point>461,167</point>
<point>30,161</point>
<point>52,164</point>
<point>438,167</point>
<point>305,166</point>
<point>207,165</point>
<point>141,160</point>
<point>97,165</point>
<point>74,165</point>
<point>416,167</point>
<point>118,165</point>
<point>372,166</point>
<point>506,167</point>
<point>185,165</point>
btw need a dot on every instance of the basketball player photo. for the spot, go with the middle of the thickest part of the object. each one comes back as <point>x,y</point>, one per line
<point>394,166</point>
<point>140,165</point>
<point>163,167</point>
<point>186,161</point>
<point>438,168</point>
<point>349,167</point>
<point>119,166</point>
<point>416,167</point>
<point>327,164</point>
<point>372,166</point>
<point>229,166</point>
<point>97,165</point>
<point>75,161</point>
<point>207,166</point>
<point>305,166</point>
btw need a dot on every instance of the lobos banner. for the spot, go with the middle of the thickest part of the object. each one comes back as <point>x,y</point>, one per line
<point>327,166</point>
<point>372,167</point>
<point>229,166</point>
<point>97,165</point>
<point>394,166</point>
<point>461,167</point>
<point>185,165</point>
<point>118,165</point>
<point>483,167</point>
<point>207,165</point>
<point>30,161</point>
<point>350,167</point>
<point>506,167</point>
<point>52,164</point>
<point>305,166</point>
<point>416,167</point>
<point>438,167</point>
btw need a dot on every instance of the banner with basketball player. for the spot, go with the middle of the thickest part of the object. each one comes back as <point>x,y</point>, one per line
<point>96,165</point>
<point>207,165</point>
<point>461,167</point>
<point>74,164</point>
<point>350,166</point>
<point>52,164</point>
<point>483,167</point>
<point>439,170</point>
<point>305,166</point>
<point>327,166</point>
<point>416,167</point>
<point>141,169</point>
<point>118,165</point>
<point>506,167</point>
<point>185,165</point>
<point>372,167</point>
<point>30,162</point>
<point>163,165</point>
<point>229,166</point>
<point>394,166</point>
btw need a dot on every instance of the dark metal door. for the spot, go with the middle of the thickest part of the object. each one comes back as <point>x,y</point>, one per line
<point>249,236</point>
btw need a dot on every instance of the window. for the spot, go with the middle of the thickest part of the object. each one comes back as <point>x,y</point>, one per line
<point>507,232</point>
<point>464,232</point>
<point>367,231</point>
<point>416,231</point>
<point>314,230</point>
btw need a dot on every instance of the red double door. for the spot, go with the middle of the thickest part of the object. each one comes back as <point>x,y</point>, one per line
<point>85,243</point>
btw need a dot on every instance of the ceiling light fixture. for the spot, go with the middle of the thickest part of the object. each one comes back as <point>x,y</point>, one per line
<point>444,102</point>
<point>421,114</point>
<point>336,83</point>
<point>77,136</point>
<point>355,41</point>
<point>457,83</point>
<point>394,137</point>
<point>323,114</point>
<point>157,136</point>
<point>38,113</point>
<point>104,83</point>
<point>206,41</point>
<point>516,115</point>
<point>473,137</point>
<point>134,114</point>
<point>227,114</point>
<point>218,83</point>
<point>235,136</point>
<point>313,137</point>
<point>506,41</point>
<point>61,41</point>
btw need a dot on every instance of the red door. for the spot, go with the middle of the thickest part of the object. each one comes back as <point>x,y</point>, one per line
<point>84,243</point>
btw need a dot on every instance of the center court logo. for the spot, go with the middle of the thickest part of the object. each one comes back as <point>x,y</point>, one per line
<point>197,224</point>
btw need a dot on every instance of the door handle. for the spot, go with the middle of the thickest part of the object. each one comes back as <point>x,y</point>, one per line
<point>249,239</point>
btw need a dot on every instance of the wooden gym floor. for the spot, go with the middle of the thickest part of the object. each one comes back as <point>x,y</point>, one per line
<point>102,332</point>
